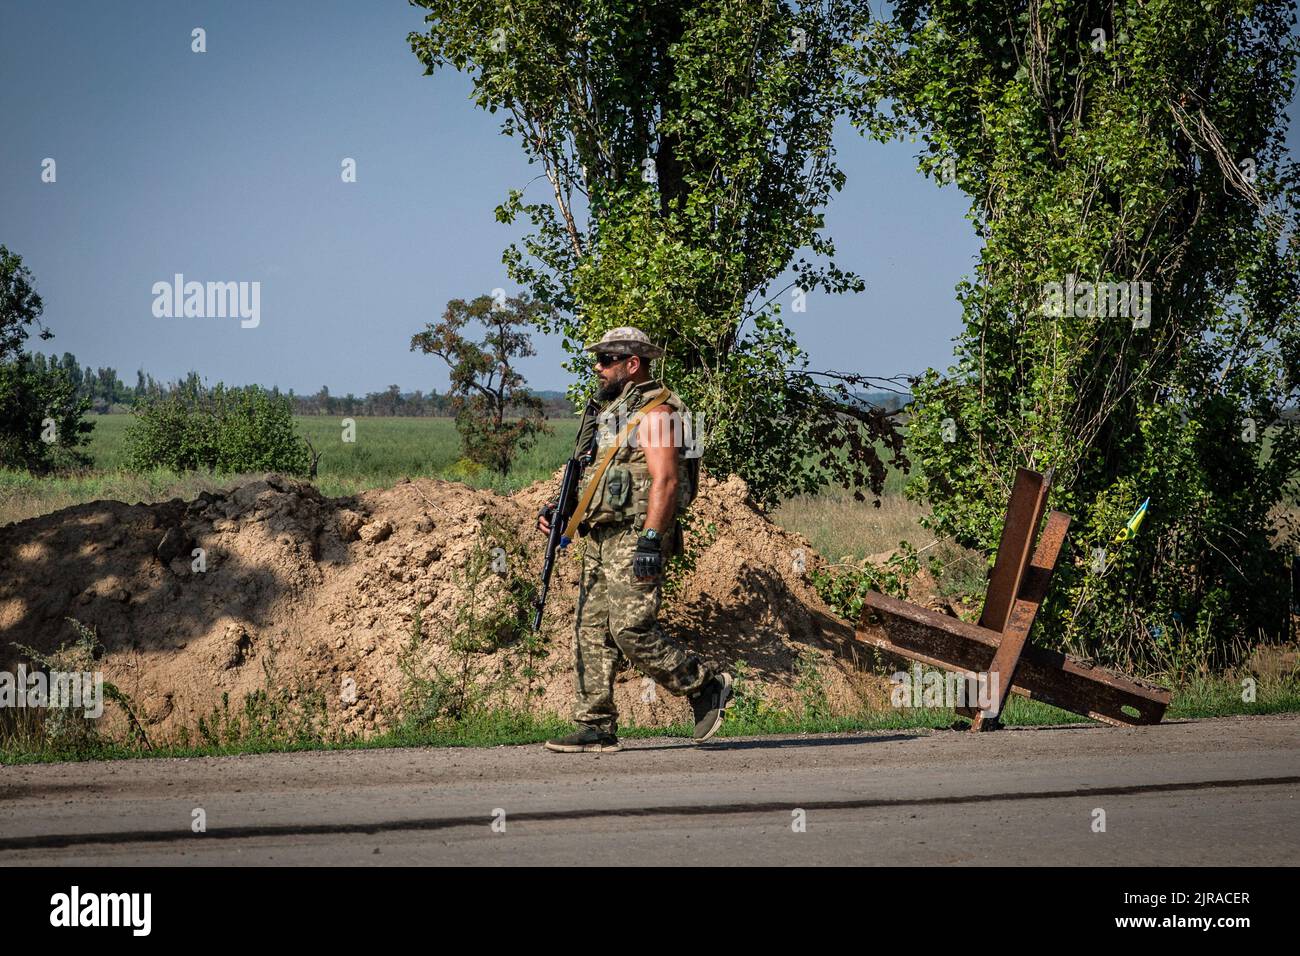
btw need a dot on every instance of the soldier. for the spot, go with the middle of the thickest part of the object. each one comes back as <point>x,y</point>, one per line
<point>628,512</point>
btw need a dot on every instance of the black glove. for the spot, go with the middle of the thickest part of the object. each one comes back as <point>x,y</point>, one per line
<point>647,559</point>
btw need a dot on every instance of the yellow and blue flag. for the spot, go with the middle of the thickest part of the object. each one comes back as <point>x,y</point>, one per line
<point>1130,530</point>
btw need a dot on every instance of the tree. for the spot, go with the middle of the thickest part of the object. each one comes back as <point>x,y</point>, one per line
<point>324,403</point>
<point>20,305</point>
<point>41,419</point>
<point>484,386</point>
<point>1134,146</point>
<point>688,149</point>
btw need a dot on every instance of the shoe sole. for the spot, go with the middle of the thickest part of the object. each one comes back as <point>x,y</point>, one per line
<point>582,748</point>
<point>722,709</point>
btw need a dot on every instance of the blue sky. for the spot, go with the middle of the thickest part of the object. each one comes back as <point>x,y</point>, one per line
<point>225,166</point>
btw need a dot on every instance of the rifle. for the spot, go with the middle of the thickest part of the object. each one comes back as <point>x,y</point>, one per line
<point>564,509</point>
<point>555,540</point>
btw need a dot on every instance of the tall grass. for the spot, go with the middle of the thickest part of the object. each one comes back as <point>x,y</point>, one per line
<point>839,527</point>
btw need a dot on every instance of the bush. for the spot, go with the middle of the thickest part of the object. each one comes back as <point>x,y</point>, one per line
<point>219,429</point>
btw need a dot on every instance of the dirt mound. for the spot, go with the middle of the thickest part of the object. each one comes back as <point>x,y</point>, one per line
<point>343,600</point>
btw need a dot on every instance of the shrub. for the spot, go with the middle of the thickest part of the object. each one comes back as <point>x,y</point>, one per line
<point>219,429</point>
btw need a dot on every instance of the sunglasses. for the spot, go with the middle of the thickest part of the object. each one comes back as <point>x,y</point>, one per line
<point>609,358</point>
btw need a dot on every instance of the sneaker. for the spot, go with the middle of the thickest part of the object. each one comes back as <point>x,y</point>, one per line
<point>710,705</point>
<point>586,740</point>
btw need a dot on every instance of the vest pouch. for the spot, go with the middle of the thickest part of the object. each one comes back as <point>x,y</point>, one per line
<point>618,488</point>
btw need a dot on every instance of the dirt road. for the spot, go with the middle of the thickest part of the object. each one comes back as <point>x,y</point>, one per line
<point>1222,792</point>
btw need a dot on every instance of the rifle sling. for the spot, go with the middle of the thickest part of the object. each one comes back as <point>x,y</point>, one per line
<point>571,531</point>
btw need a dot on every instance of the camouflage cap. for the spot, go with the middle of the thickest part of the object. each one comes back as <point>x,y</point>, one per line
<point>626,340</point>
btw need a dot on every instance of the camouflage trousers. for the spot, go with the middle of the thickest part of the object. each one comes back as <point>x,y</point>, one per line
<point>617,619</point>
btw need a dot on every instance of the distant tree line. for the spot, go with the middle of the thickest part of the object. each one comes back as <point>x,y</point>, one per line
<point>393,401</point>
<point>101,386</point>
<point>108,393</point>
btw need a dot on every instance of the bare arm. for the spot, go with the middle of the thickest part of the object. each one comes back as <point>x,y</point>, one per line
<point>661,460</point>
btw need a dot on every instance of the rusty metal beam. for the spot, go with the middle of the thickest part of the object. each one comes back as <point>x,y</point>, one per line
<point>1024,513</point>
<point>1033,591</point>
<point>1064,681</point>
<point>1028,499</point>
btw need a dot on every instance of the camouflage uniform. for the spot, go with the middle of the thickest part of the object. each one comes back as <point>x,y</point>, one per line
<point>617,614</point>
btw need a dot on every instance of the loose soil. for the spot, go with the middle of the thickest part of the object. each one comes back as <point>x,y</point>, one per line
<point>313,597</point>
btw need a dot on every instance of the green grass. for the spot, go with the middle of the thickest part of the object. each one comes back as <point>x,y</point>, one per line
<point>489,729</point>
<point>1208,697</point>
<point>385,449</point>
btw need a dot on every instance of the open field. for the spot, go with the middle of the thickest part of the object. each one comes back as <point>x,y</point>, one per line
<point>385,450</point>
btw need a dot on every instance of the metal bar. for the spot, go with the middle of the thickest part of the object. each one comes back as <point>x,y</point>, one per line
<point>1064,681</point>
<point>1033,591</point>
<point>1024,511</point>
<point>1028,499</point>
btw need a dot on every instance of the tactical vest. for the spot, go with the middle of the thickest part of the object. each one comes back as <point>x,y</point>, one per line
<point>624,490</point>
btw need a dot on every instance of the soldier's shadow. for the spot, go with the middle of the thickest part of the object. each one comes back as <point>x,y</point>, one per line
<point>858,738</point>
